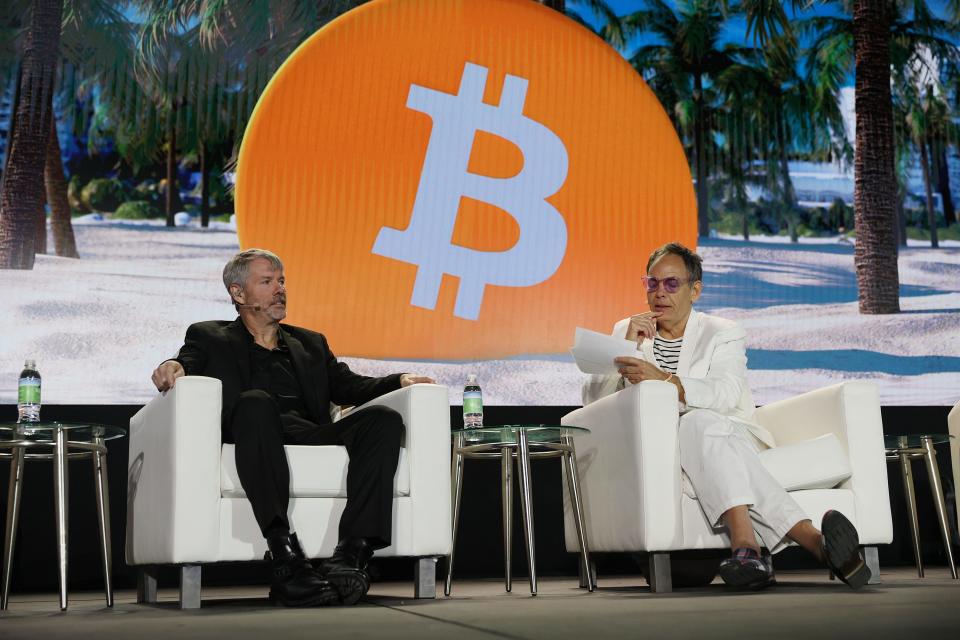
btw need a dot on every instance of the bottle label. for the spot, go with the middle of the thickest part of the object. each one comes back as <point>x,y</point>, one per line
<point>29,391</point>
<point>472,402</point>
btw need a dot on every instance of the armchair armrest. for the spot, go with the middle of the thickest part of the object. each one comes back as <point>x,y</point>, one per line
<point>851,411</point>
<point>425,409</point>
<point>173,478</point>
<point>629,467</point>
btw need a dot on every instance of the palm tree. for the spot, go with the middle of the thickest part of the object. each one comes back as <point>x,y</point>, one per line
<point>167,59</point>
<point>23,187</point>
<point>765,86</point>
<point>206,63</point>
<point>92,39</point>
<point>685,57</point>
<point>875,255</point>
<point>876,29</point>
<point>93,30</point>
<point>55,183</point>
<point>939,130</point>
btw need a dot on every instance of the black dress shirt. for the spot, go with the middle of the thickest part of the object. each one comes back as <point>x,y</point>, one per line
<point>271,370</point>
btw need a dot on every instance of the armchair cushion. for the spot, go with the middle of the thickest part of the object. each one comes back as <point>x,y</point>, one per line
<point>315,472</point>
<point>820,463</point>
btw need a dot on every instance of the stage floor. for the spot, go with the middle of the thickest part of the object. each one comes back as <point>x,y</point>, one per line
<point>804,604</point>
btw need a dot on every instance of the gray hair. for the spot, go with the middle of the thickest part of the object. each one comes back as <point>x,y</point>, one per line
<point>691,260</point>
<point>237,270</point>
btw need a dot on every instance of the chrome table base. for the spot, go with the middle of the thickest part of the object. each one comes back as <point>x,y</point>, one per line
<point>905,455</point>
<point>524,451</point>
<point>62,452</point>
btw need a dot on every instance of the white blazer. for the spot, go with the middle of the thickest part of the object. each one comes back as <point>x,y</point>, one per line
<point>712,369</point>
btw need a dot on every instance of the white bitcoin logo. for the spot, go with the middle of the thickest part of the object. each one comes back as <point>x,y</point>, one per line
<point>427,241</point>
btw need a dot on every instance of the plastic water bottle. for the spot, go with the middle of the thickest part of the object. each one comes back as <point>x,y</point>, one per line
<point>28,393</point>
<point>472,403</point>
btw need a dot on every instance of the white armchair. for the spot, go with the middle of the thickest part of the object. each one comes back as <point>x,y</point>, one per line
<point>829,455</point>
<point>185,505</point>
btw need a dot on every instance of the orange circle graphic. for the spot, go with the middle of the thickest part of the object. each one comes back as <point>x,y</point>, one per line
<point>460,179</point>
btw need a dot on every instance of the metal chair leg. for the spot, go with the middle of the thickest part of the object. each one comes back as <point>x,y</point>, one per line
<point>872,557</point>
<point>661,581</point>
<point>101,489</point>
<point>14,492</point>
<point>61,494</point>
<point>911,498</point>
<point>147,584</point>
<point>506,496</point>
<point>526,491</point>
<point>936,487</point>
<point>190,586</point>
<point>425,579</point>
<point>456,471</point>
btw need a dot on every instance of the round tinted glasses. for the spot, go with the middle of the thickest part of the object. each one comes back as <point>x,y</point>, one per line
<point>670,285</point>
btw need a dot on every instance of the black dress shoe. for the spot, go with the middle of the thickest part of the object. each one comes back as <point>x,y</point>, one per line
<point>747,569</point>
<point>294,582</point>
<point>347,569</point>
<point>841,550</point>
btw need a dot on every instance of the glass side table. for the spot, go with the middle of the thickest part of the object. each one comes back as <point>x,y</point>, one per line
<point>525,442</point>
<point>59,442</point>
<point>906,448</point>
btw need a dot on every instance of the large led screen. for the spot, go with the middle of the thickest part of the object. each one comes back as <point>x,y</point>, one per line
<point>454,186</point>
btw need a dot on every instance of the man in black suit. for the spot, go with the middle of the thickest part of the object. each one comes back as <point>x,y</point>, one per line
<point>278,383</point>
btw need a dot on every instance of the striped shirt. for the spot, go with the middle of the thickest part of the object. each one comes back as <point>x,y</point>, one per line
<point>667,353</point>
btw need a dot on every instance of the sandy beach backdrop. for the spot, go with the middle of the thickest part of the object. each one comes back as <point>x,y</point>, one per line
<point>98,326</point>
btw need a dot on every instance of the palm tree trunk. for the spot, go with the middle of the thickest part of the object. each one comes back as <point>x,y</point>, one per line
<point>64,242</point>
<point>939,153</point>
<point>40,243</point>
<point>23,191</point>
<point>789,195</point>
<point>204,187</point>
<point>12,123</point>
<point>928,191</point>
<point>171,163</point>
<point>901,217</point>
<point>875,256</point>
<point>703,212</point>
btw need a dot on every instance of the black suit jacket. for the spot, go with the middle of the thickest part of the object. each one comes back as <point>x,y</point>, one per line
<point>221,349</point>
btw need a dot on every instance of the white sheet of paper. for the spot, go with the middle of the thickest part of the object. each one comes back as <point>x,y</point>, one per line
<point>594,352</point>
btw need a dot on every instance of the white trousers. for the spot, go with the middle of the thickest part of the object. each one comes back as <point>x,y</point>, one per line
<point>719,456</point>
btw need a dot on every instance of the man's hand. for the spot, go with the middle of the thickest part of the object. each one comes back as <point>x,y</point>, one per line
<point>166,374</point>
<point>643,325</point>
<point>636,370</point>
<point>408,379</point>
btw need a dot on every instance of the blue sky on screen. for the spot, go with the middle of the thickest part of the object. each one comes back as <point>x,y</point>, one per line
<point>736,27</point>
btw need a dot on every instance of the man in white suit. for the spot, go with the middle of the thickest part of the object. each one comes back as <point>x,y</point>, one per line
<point>705,358</point>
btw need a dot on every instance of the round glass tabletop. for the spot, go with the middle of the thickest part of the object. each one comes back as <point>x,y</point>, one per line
<point>44,431</point>
<point>914,440</point>
<point>501,433</point>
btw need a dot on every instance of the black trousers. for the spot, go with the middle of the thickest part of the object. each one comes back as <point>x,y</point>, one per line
<point>372,438</point>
